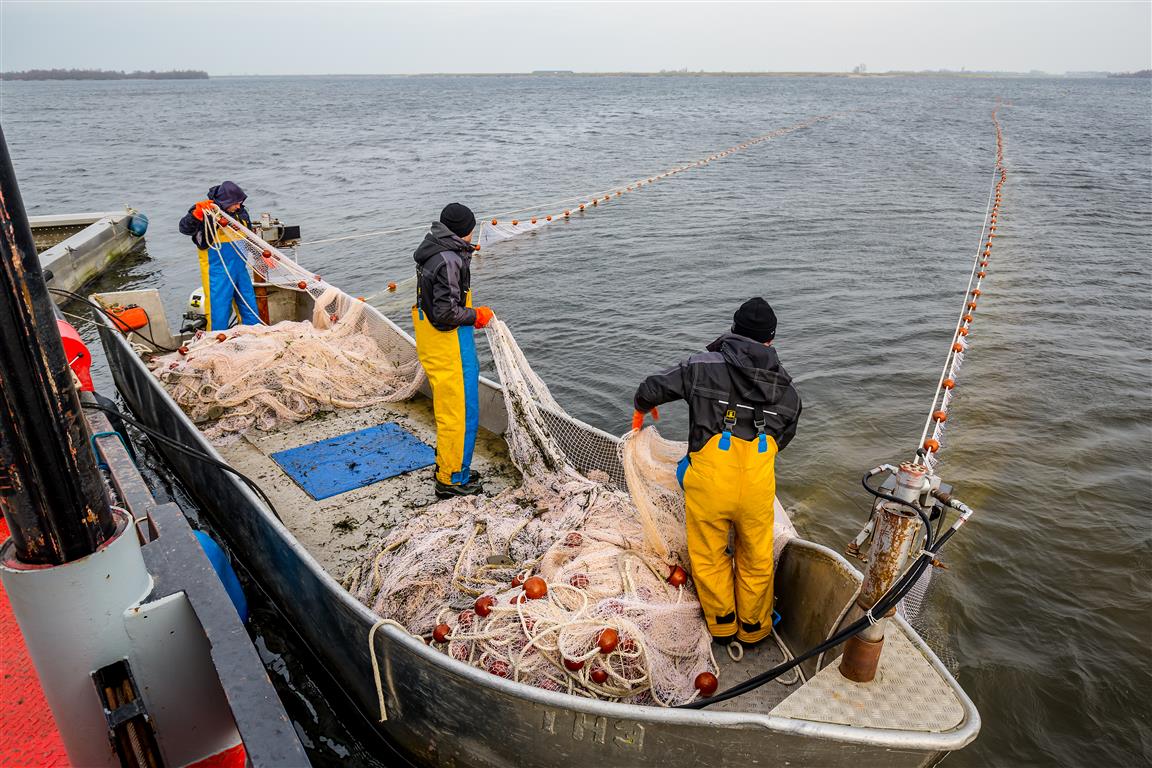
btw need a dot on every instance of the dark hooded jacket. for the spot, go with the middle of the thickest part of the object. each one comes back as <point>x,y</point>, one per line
<point>223,195</point>
<point>443,277</point>
<point>732,367</point>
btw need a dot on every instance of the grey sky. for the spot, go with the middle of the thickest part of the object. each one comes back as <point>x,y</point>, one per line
<point>321,38</point>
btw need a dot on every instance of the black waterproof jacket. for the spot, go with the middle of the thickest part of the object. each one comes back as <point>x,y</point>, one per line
<point>732,367</point>
<point>443,277</point>
<point>223,195</point>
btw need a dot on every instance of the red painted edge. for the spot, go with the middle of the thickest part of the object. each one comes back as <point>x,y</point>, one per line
<point>29,736</point>
<point>233,757</point>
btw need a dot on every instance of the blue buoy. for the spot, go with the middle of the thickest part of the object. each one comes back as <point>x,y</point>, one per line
<point>224,571</point>
<point>138,224</point>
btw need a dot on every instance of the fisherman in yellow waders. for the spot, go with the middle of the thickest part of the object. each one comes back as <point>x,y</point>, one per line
<point>742,409</point>
<point>223,269</point>
<point>444,320</point>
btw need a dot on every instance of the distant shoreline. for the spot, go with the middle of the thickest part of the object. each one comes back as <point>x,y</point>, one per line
<point>564,74</point>
<point>103,74</point>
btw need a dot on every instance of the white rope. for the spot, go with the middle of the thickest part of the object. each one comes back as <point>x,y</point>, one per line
<point>376,662</point>
<point>950,363</point>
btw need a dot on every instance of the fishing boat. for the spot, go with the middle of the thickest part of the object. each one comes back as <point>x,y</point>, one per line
<point>440,711</point>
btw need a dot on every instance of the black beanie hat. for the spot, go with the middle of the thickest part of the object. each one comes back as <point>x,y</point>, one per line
<point>458,218</point>
<point>756,320</point>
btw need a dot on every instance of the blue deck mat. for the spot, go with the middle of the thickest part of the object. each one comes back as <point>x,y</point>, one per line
<point>354,460</point>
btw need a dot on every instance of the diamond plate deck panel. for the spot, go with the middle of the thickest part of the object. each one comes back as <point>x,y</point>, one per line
<point>907,694</point>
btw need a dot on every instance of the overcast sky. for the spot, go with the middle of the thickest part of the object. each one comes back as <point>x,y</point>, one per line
<point>227,38</point>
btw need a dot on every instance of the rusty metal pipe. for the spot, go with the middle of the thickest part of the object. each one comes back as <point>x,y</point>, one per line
<point>51,492</point>
<point>892,538</point>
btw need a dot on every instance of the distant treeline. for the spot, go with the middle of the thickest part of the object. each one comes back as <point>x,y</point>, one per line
<point>103,74</point>
<point>1144,73</point>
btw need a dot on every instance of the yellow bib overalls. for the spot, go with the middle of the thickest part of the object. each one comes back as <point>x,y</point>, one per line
<point>730,483</point>
<point>449,360</point>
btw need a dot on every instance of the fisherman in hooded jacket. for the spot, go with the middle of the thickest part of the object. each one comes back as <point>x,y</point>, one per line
<point>742,410</point>
<point>223,268</point>
<point>444,320</point>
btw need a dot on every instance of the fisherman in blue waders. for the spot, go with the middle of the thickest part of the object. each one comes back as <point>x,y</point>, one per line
<point>444,320</point>
<point>742,410</point>
<point>223,269</point>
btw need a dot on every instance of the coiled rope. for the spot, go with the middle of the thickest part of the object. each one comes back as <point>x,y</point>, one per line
<point>931,437</point>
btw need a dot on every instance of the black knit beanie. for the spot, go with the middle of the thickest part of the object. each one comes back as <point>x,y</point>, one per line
<point>458,218</point>
<point>756,320</point>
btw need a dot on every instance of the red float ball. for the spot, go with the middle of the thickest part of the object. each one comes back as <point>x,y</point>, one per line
<point>483,605</point>
<point>535,588</point>
<point>677,576</point>
<point>707,684</point>
<point>607,640</point>
<point>441,632</point>
<point>599,676</point>
<point>574,665</point>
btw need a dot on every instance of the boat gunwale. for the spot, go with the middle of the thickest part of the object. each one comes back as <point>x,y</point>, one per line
<point>928,741</point>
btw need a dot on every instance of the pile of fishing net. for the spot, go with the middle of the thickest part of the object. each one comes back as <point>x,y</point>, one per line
<point>566,582</point>
<point>258,377</point>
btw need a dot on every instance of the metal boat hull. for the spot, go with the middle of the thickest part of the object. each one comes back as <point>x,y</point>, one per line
<point>443,712</point>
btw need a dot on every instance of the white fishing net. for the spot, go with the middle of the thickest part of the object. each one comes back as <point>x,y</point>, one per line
<point>259,377</point>
<point>612,622</point>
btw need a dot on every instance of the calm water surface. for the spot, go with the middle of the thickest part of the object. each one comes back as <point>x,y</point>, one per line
<point>860,231</point>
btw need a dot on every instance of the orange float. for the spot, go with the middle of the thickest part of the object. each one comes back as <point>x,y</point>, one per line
<point>535,588</point>
<point>483,605</point>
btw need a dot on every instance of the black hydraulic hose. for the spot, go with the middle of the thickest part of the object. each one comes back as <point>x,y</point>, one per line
<point>882,606</point>
<point>194,453</point>
<point>115,321</point>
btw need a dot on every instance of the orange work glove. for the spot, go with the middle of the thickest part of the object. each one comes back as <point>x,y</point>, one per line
<point>638,418</point>
<point>484,316</point>
<point>203,205</point>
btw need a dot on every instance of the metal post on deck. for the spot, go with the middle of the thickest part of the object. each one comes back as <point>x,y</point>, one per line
<point>51,491</point>
<point>891,542</point>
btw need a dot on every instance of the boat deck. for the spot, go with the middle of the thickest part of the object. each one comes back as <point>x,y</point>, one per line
<point>342,530</point>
